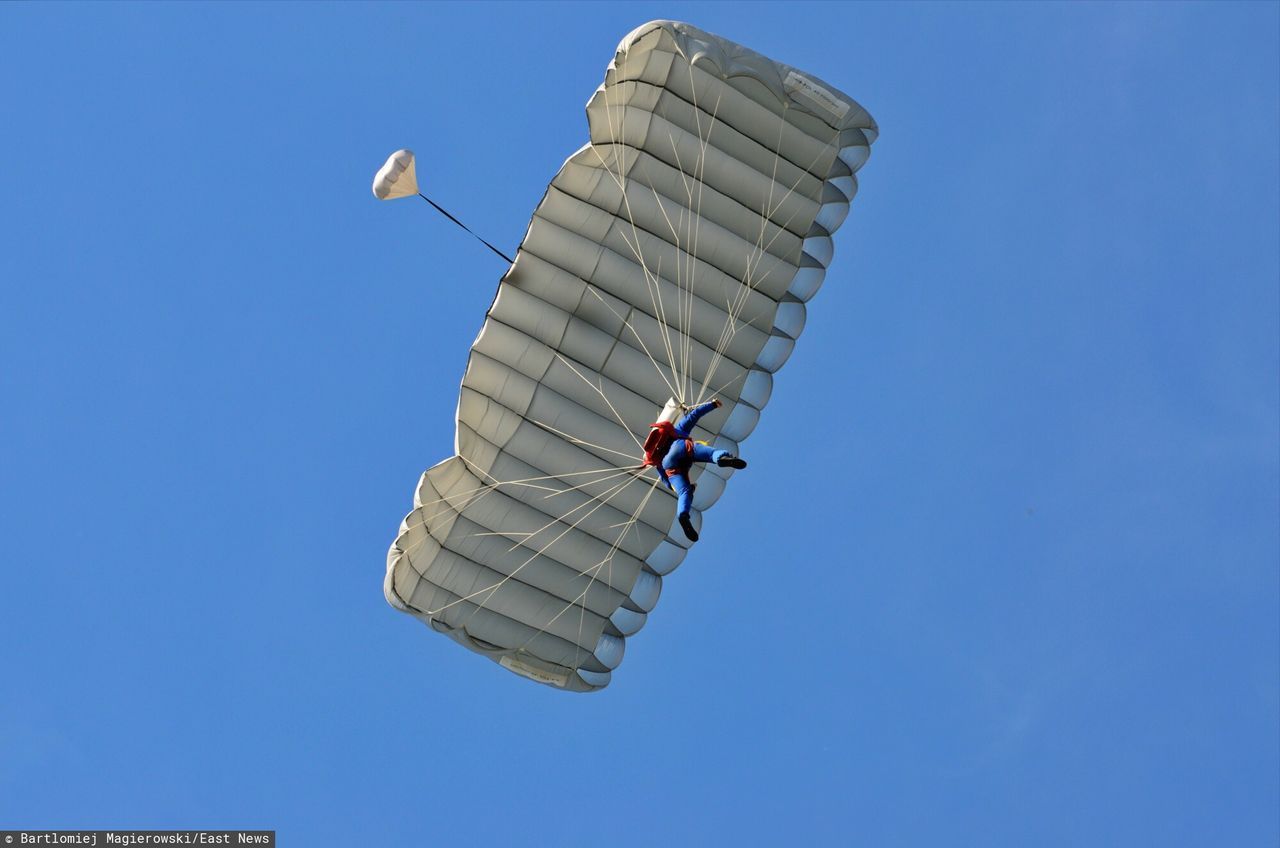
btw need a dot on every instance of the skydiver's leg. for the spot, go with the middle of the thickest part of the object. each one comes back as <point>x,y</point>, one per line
<point>676,462</point>
<point>680,457</point>
<point>677,456</point>
<point>684,502</point>
<point>705,453</point>
<point>684,491</point>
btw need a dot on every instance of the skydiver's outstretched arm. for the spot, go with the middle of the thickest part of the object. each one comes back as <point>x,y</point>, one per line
<point>687,422</point>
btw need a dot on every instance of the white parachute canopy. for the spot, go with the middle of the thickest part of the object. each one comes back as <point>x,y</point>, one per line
<point>671,261</point>
<point>397,178</point>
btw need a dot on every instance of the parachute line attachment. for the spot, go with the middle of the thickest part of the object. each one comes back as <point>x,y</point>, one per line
<point>445,213</point>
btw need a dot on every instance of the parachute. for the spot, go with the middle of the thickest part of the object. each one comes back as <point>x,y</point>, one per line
<point>397,178</point>
<point>671,259</point>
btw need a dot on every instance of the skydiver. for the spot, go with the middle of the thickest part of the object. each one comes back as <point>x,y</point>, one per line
<point>671,449</point>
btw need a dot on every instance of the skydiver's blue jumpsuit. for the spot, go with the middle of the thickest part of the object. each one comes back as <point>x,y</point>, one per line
<point>684,451</point>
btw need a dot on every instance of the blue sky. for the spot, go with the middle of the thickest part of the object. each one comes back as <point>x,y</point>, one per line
<point>1003,571</point>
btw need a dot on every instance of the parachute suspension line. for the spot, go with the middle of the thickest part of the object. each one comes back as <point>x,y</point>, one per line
<point>616,474</point>
<point>690,247</point>
<point>582,613</point>
<point>593,570</point>
<point>685,232</point>
<point>652,281</point>
<point>492,590</point>
<point>762,247</point>
<point>622,472</point>
<point>679,353</point>
<point>657,199</point>
<point>635,516</point>
<point>653,285</point>
<point>684,270</point>
<point>609,473</point>
<point>528,482</point>
<point>576,440</point>
<point>704,140</point>
<point>743,293</point>
<point>727,383</point>
<point>557,519</point>
<point>445,213</point>
<point>470,497</point>
<point>622,191</point>
<point>514,572</point>
<point>618,181</point>
<point>627,323</point>
<point>685,280</point>
<point>682,251</point>
<point>600,391</point>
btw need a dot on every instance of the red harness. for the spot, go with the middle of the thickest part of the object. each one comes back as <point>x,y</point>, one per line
<point>662,435</point>
<point>671,472</point>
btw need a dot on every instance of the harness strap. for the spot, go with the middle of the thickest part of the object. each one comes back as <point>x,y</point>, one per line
<point>671,472</point>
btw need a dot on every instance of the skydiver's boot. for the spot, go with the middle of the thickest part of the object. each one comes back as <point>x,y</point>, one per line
<point>686,524</point>
<point>731,461</point>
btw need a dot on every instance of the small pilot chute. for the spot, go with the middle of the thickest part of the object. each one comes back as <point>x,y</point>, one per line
<point>397,178</point>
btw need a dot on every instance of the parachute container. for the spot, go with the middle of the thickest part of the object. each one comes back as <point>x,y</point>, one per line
<point>671,257</point>
<point>671,411</point>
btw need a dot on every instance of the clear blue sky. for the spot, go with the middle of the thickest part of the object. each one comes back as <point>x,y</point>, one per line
<point>1004,569</point>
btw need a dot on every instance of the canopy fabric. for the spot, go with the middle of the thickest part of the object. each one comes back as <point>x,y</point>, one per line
<point>397,178</point>
<point>671,257</point>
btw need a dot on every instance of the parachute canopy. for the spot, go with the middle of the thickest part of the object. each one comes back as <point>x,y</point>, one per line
<point>672,257</point>
<point>397,178</point>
